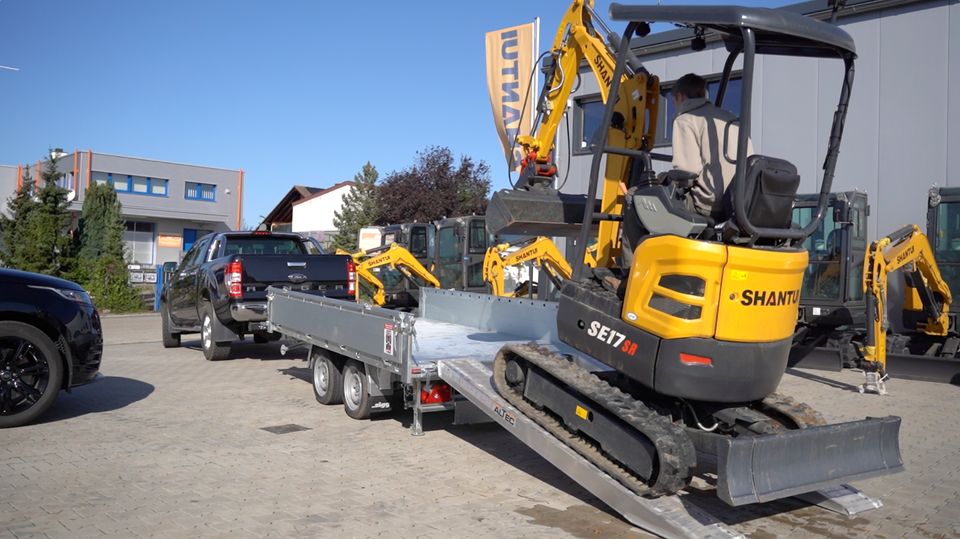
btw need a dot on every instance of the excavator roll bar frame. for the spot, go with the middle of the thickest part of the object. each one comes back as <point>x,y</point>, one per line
<point>740,38</point>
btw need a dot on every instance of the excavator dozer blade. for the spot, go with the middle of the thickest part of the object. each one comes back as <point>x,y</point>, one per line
<point>753,469</point>
<point>538,212</point>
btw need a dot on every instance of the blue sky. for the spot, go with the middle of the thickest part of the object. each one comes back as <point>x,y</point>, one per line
<point>292,92</point>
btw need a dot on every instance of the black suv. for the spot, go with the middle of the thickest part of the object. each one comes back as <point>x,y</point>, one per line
<point>50,339</point>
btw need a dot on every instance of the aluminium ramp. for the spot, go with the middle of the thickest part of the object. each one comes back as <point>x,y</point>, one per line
<point>667,516</point>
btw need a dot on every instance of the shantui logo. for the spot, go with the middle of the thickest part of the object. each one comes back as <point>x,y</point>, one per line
<point>769,298</point>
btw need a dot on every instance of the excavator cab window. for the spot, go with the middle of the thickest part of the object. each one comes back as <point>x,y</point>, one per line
<point>478,237</point>
<point>449,266</point>
<point>947,243</point>
<point>858,244</point>
<point>419,246</point>
<point>824,247</point>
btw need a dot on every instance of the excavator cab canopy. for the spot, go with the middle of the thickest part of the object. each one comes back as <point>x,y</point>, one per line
<point>775,31</point>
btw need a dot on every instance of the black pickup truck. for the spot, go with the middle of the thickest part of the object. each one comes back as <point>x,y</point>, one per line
<point>219,289</point>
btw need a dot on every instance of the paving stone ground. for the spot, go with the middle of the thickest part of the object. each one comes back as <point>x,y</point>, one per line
<point>170,445</point>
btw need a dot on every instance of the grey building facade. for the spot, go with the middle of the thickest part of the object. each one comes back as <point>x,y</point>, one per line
<point>166,206</point>
<point>902,132</point>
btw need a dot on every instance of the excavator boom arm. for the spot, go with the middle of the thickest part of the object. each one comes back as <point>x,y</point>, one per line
<point>908,249</point>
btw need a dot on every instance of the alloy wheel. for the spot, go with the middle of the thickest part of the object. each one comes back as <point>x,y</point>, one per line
<point>24,375</point>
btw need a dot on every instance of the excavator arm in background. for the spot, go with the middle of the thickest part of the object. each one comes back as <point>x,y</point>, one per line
<point>541,251</point>
<point>396,257</point>
<point>633,126</point>
<point>907,249</point>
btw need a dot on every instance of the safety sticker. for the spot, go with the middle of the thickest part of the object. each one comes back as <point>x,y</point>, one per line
<point>388,336</point>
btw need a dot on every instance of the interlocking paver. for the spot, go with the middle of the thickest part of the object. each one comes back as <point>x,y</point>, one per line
<point>170,445</point>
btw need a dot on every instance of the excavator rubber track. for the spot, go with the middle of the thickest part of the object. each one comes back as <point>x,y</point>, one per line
<point>676,455</point>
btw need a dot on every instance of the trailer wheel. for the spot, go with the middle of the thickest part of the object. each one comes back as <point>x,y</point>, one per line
<point>356,393</point>
<point>327,378</point>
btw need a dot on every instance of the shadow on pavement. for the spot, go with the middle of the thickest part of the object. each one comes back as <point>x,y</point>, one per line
<point>247,349</point>
<point>823,380</point>
<point>106,394</point>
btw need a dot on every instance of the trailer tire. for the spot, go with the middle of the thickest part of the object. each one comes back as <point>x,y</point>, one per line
<point>327,377</point>
<point>356,391</point>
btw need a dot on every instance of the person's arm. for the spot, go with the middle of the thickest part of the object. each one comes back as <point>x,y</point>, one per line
<point>686,147</point>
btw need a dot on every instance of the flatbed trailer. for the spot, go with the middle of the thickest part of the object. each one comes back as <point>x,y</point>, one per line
<point>453,340</point>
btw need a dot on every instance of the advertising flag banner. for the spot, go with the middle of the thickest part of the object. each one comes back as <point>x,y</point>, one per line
<point>510,57</point>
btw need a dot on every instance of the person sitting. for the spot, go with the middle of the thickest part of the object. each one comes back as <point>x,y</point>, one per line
<point>704,143</point>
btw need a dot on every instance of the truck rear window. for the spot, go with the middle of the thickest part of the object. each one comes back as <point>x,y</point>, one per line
<point>263,246</point>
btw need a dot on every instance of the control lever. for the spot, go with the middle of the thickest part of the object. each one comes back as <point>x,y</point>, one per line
<point>677,177</point>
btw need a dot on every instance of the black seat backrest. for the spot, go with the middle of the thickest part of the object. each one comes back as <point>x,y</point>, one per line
<point>771,187</point>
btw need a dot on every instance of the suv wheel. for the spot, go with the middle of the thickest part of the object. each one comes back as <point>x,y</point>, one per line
<point>31,373</point>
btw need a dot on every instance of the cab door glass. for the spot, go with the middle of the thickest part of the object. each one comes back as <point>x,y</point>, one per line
<point>858,246</point>
<point>450,272</point>
<point>418,242</point>
<point>822,278</point>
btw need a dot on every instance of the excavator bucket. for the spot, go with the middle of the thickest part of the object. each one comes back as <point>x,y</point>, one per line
<point>754,469</point>
<point>538,212</point>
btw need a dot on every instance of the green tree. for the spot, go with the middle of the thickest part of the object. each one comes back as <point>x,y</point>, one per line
<point>359,209</point>
<point>42,241</point>
<point>12,231</point>
<point>105,273</point>
<point>434,187</point>
<point>101,224</point>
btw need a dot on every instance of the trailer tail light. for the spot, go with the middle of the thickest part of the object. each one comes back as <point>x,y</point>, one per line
<point>233,279</point>
<point>351,278</point>
<point>436,393</point>
<point>690,359</point>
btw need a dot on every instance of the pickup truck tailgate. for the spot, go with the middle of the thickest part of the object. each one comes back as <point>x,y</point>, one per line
<point>326,274</point>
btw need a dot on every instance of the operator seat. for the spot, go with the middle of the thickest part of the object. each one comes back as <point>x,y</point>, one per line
<point>665,207</point>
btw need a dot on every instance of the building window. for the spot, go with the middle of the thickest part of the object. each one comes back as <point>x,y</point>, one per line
<point>138,242</point>
<point>126,183</point>
<point>588,117</point>
<point>201,191</point>
<point>158,187</point>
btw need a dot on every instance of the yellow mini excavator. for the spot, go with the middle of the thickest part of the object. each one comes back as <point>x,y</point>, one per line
<point>393,256</point>
<point>926,301</point>
<point>540,251</point>
<point>690,319</point>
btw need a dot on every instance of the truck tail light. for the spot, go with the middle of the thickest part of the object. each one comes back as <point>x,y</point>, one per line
<point>233,279</point>
<point>351,278</point>
<point>436,393</point>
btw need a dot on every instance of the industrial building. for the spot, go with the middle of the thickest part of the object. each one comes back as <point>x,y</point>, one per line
<point>902,132</point>
<point>166,205</point>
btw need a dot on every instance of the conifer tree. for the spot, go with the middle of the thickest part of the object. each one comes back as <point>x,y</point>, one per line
<point>41,239</point>
<point>19,206</point>
<point>359,209</point>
